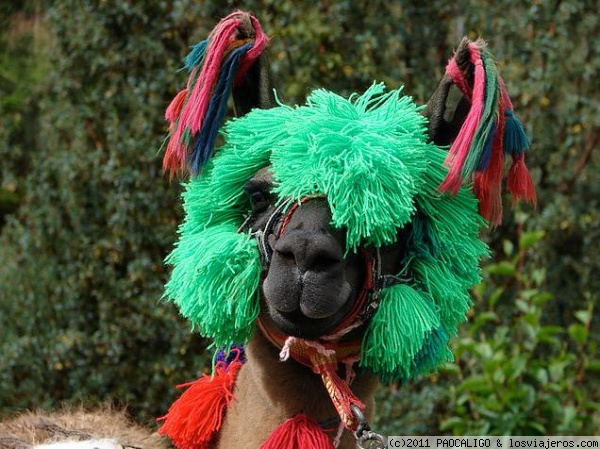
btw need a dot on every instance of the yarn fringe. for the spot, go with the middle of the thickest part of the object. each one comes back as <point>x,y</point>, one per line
<point>214,66</point>
<point>196,416</point>
<point>216,285</point>
<point>299,432</point>
<point>519,183</point>
<point>397,332</point>
<point>489,131</point>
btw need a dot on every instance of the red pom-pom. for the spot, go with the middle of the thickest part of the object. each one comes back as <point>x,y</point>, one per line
<point>519,182</point>
<point>195,418</point>
<point>299,432</point>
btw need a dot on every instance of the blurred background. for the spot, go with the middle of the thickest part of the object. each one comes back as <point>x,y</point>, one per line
<point>86,216</point>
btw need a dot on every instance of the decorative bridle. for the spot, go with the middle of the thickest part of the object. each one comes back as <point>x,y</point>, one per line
<point>215,260</point>
<point>325,355</point>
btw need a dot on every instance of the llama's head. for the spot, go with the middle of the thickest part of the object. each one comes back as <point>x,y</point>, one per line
<point>318,220</point>
<point>311,282</point>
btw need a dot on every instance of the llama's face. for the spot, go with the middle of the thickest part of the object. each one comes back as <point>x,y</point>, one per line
<point>355,181</point>
<point>311,283</point>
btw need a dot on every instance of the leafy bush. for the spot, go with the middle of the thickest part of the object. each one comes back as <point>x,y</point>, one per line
<point>515,372</point>
<point>82,275</point>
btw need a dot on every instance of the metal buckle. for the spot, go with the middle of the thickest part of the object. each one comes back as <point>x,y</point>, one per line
<point>365,437</point>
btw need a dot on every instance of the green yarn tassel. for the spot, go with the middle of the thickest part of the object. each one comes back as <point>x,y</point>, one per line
<point>450,292</point>
<point>432,354</point>
<point>397,332</point>
<point>366,154</point>
<point>216,285</point>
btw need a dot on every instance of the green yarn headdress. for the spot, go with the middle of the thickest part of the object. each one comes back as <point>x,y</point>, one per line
<point>371,157</point>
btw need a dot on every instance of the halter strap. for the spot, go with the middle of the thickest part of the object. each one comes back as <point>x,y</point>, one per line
<point>323,356</point>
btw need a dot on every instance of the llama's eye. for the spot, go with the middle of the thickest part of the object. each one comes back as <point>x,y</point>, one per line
<point>259,195</point>
<point>259,200</point>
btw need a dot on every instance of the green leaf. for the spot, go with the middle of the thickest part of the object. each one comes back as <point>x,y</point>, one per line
<point>548,334</point>
<point>578,333</point>
<point>530,238</point>
<point>508,247</point>
<point>541,375</point>
<point>503,268</point>
<point>449,368</point>
<point>540,298</point>
<point>451,423</point>
<point>495,296</point>
<point>476,384</point>
<point>484,318</point>
<point>593,365</point>
<point>584,316</point>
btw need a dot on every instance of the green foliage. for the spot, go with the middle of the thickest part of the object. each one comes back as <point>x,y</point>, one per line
<point>83,274</point>
<point>22,69</point>
<point>515,372</point>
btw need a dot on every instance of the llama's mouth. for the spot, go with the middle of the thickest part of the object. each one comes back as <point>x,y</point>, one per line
<point>297,323</point>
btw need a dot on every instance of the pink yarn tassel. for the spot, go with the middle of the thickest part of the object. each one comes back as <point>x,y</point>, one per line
<point>193,114</point>
<point>460,147</point>
<point>187,112</point>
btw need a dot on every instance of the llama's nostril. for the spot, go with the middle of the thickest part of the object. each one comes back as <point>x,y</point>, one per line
<point>309,251</point>
<point>287,255</point>
<point>324,260</point>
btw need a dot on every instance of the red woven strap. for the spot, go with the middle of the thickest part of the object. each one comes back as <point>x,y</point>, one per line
<point>323,359</point>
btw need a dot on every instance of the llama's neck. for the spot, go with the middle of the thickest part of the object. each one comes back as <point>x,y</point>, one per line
<point>269,391</point>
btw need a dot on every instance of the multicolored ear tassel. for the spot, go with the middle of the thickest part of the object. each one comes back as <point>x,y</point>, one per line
<point>490,131</point>
<point>214,66</point>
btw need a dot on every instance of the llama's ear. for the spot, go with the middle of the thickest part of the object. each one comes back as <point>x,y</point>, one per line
<point>471,112</point>
<point>255,90</point>
<point>447,108</point>
<point>231,56</point>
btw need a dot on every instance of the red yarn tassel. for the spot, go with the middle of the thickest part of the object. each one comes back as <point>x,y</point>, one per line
<point>490,199</point>
<point>299,432</point>
<point>488,184</point>
<point>172,160</point>
<point>519,182</point>
<point>174,108</point>
<point>195,418</point>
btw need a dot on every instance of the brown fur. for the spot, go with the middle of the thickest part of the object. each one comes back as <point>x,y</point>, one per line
<point>33,428</point>
<point>268,392</point>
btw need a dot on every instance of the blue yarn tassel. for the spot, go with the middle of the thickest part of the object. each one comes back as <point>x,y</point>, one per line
<point>486,154</point>
<point>515,139</point>
<point>205,141</point>
<point>196,56</point>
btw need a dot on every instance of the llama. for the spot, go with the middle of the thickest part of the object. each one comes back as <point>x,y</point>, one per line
<point>77,429</point>
<point>338,240</point>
